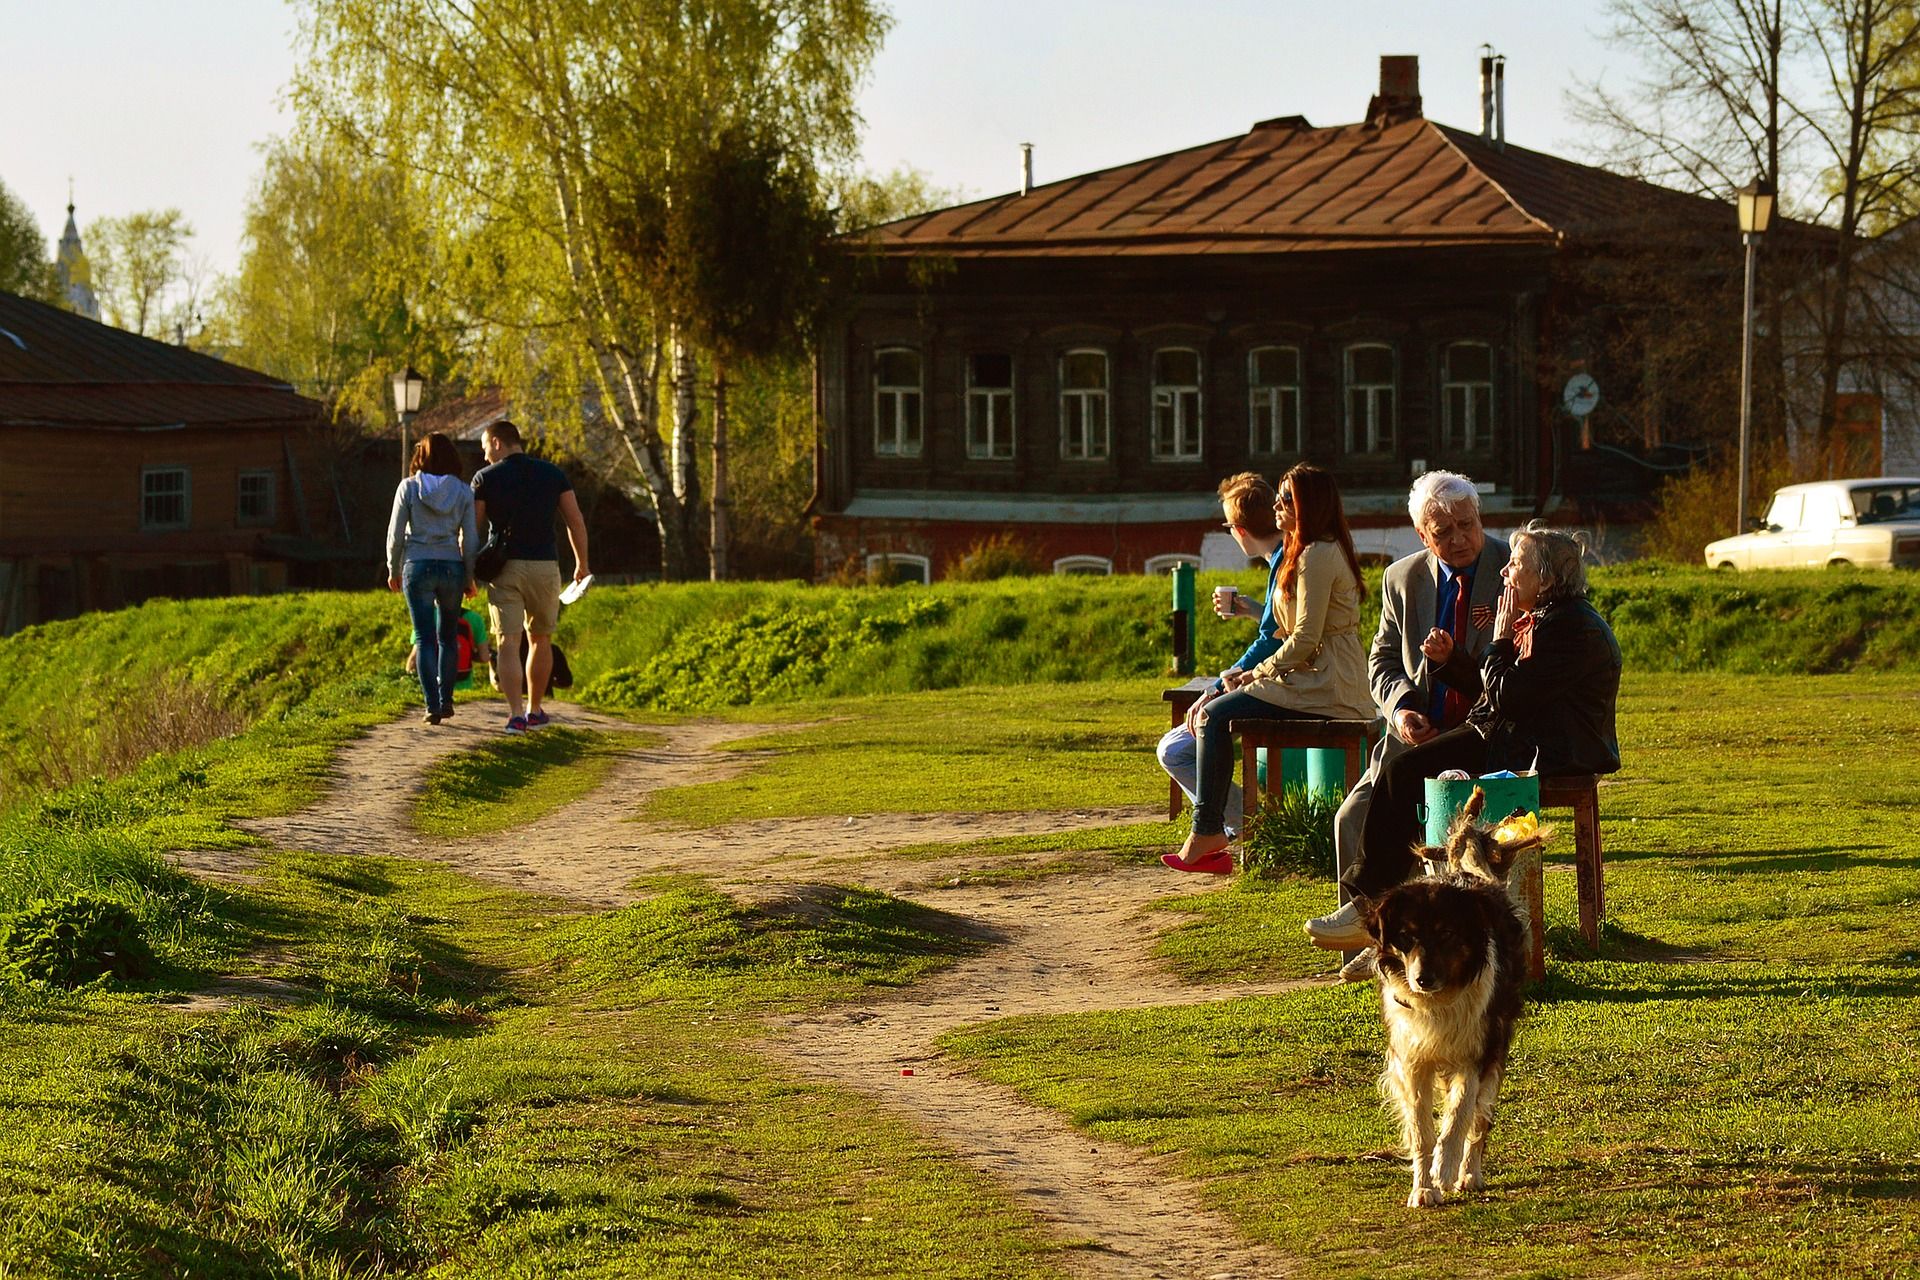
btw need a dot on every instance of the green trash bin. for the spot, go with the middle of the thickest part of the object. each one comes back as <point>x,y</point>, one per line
<point>1446,797</point>
<point>1315,768</point>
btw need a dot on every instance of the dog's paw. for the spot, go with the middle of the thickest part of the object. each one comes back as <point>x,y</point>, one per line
<point>1423,1197</point>
<point>1473,1181</point>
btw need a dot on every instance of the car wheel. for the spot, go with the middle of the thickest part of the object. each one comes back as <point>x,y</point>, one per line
<point>1725,566</point>
<point>1839,564</point>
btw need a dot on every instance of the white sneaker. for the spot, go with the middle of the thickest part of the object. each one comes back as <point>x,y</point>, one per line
<point>1360,968</point>
<point>1340,931</point>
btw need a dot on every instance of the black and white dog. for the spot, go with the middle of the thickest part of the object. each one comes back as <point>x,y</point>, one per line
<point>1451,961</point>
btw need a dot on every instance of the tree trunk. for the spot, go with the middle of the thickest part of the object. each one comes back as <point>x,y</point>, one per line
<point>686,453</point>
<point>717,529</point>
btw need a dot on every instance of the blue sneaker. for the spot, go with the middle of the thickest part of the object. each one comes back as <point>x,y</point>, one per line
<point>517,725</point>
<point>536,718</point>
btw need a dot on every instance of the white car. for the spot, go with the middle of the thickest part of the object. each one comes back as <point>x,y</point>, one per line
<point>1874,524</point>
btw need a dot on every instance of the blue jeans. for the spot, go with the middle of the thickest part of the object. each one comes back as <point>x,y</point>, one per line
<point>1216,756</point>
<point>432,588</point>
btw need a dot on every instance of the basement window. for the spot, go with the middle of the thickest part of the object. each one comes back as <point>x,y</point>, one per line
<point>890,568</point>
<point>1083,566</point>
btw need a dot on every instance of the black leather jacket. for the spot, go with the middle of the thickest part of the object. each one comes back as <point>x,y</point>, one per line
<point>1559,700</point>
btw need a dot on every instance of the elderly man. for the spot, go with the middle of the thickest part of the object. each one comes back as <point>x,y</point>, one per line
<point>1431,603</point>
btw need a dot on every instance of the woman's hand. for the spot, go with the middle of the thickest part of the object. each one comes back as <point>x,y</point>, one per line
<point>1438,646</point>
<point>1504,615</point>
<point>1238,679</point>
<point>1196,714</point>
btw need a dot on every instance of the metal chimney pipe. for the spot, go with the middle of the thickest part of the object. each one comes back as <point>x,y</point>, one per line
<point>1486,93</point>
<point>1026,168</point>
<point>1500,101</point>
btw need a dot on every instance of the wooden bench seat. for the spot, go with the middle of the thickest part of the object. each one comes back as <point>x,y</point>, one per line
<point>1348,736</point>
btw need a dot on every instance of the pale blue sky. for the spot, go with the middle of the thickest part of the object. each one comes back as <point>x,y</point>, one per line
<point>149,104</point>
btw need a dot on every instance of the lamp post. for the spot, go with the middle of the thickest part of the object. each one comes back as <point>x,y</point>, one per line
<point>407,386</point>
<point>1756,213</point>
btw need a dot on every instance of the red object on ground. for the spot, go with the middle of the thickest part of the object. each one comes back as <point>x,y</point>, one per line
<point>906,1071</point>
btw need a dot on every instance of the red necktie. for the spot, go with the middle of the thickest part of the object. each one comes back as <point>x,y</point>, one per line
<point>1456,706</point>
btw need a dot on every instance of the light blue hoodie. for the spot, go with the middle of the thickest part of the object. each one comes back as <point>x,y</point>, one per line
<point>432,520</point>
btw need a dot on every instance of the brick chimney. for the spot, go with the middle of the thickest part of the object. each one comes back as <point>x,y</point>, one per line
<point>1399,96</point>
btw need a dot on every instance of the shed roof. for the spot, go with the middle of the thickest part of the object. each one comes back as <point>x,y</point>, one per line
<point>1285,186</point>
<point>58,369</point>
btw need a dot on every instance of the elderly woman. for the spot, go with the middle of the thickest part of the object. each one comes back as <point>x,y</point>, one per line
<point>1546,692</point>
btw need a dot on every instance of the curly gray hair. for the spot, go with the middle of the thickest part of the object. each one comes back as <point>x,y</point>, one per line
<point>1440,491</point>
<point>1556,556</point>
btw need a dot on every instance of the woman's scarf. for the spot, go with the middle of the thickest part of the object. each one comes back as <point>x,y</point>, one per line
<point>1523,635</point>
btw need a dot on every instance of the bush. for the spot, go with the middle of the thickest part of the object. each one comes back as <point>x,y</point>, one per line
<point>73,940</point>
<point>1699,506</point>
<point>1004,555</point>
<point>1291,835</point>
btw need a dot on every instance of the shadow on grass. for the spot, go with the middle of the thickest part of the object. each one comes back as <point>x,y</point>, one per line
<point>1725,982</point>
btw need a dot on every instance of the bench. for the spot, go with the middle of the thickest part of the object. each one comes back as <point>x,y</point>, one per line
<point>1348,736</point>
<point>1180,700</point>
<point>1581,793</point>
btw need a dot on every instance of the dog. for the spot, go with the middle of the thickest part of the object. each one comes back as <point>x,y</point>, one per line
<point>1450,960</point>
<point>1483,851</point>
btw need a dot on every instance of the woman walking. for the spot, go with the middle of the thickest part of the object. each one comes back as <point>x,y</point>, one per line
<point>1319,670</point>
<point>431,542</point>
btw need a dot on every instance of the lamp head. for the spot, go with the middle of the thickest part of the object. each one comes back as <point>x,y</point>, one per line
<point>1756,207</point>
<point>407,386</point>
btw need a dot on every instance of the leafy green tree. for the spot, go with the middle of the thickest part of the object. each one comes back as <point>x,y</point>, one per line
<point>335,285</point>
<point>141,269</point>
<point>24,267</point>
<point>533,129</point>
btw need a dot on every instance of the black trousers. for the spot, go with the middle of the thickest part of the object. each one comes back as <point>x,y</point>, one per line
<point>1393,827</point>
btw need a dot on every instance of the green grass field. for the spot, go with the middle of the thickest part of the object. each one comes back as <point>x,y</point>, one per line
<point>421,1075</point>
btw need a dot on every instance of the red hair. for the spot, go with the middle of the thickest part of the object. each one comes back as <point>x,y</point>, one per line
<point>1313,496</point>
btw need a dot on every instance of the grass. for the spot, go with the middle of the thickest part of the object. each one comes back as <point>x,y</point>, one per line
<point>516,780</point>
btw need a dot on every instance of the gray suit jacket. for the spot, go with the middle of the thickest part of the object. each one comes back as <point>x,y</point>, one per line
<point>1409,601</point>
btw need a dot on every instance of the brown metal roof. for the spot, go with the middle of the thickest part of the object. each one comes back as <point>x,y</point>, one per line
<point>58,369</point>
<point>1288,187</point>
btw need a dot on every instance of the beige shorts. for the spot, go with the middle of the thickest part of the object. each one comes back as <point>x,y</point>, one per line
<point>525,596</point>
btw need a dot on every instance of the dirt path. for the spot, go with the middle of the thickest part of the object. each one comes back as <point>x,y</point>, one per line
<point>1065,943</point>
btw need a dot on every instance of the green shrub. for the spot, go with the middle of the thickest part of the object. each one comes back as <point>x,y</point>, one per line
<point>1004,555</point>
<point>1291,835</point>
<point>73,940</point>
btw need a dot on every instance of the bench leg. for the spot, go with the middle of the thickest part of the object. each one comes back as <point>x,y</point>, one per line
<point>1175,798</point>
<point>1587,865</point>
<point>1535,891</point>
<point>1250,781</point>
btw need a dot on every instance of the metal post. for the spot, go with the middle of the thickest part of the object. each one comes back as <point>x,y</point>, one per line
<point>406,443</point>
<point>1746,387</point>
<point>1182,619</point>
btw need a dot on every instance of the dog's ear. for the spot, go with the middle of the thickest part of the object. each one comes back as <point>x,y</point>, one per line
<point>1369,911</point>
<point>1476,803</point>
<point>1434,856</point>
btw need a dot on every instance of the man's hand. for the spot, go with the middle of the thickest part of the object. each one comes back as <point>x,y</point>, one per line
<point>1412,727</point>
<point>471,590</point>
<point>393,584</point>
<point>1438,646</point>
<point>580,572</point>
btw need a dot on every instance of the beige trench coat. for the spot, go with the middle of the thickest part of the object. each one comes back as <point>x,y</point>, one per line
<point>1321,668</point>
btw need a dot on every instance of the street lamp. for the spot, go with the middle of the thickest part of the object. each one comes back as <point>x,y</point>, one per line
<point>1756,214</point>
<point>407,386</point>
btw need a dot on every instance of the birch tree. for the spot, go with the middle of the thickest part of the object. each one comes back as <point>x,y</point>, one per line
<point>532,125</point>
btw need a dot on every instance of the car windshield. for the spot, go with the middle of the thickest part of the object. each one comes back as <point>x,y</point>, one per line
<point>1872,504</point>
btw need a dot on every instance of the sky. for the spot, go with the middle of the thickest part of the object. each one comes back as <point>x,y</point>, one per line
<point>150,105</point>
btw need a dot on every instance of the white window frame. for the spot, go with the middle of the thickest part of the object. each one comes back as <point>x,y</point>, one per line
<point>1372,435</point>
<point>1089,566</point>
<point>890,401</point>
<point>1177,398</point>
<point>1167,563</point>
<point>148,493</point>
<point>1088,401</point>
<point>991,408</point>
<point>1473,433</point>
<point>262,518</point>
<point>1273,407</point>
<point>894,558</point>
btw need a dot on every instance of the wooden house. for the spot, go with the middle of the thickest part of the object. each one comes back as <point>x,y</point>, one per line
<point>1080,362</point>
<point>131,468</point>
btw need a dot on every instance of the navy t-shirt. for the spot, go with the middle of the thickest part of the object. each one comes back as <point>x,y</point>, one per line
<point>523,494</point>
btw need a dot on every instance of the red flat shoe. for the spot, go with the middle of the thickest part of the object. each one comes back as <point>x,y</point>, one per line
<point>1217,863</point>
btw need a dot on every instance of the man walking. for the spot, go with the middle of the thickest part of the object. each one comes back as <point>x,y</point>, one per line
<point>519,495</point>
<point>1431,603</point>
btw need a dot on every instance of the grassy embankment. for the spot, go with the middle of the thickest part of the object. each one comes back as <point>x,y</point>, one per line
<point>482,1077</point>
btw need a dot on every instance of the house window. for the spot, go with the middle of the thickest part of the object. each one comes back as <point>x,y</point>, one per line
<point>1083,566</point>
<point>1176,403</point>
<point>1273,400</point>
<point>1083,405</point>
<point>896,402</point>
<point>254,505</point>
<point>1370,398</point>
<point>1466,396</point>
<point>894,568</point>
<point>165,494</point>
<point>1167,563</point>
<point>990,405</point>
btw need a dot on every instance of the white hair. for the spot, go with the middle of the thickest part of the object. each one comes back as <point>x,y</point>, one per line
<point>1440,490</point>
